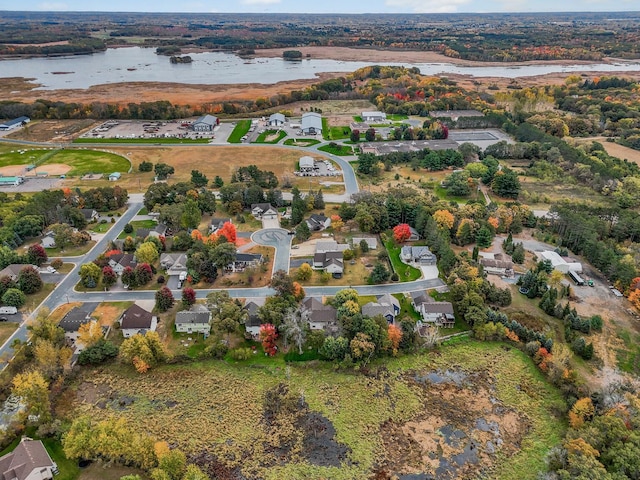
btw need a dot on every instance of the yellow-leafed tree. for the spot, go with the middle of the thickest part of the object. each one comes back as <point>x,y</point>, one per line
<point>33,389</point>
<point>89,333</point>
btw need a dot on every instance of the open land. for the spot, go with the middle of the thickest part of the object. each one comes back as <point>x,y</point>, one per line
<point>343,425</point>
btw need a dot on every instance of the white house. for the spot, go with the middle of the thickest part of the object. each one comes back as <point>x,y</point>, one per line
<point>194,320</point>
<point>317,222</point>
<point>119,261</point>
<point>311,123</point>
<point>136,320</point>
<point>421,255</point>
<point>307,164</point>
<point>497,264</point>
<point>174,263</point>
<point>432,312</point>
<point>253,321</point>
<point>276,120</point>
<point>374,117</point>
<point>331,262</point>
<point>90,214</point>
<point>115,176</point>
<point>263,210</point>
<point>372,242</point>
<point>28,461</point>
<point>205,124</point>
<point>72,321</point>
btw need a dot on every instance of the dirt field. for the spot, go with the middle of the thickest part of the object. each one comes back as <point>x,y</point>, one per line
<point>51,168</point>
<point>52,130</point>
<point>620,151</point>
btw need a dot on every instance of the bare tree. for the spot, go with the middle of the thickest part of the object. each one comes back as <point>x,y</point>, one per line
<point>294,327</point>
<point>431,337</point>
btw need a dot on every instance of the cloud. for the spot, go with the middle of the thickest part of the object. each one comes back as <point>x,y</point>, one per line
<point>260,2</point>
<point>427,6</point>
<point>52,6</point>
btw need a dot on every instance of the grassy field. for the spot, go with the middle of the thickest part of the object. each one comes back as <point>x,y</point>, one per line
<point>100,227</point>
<point>271,136</point>
<point>394,419</point>
<point>80,161</point>
<point>6,330</point>
<point>36,299</point>
<point>338,133</point>
<point>301,142</point>
<point>407,273</point>
<point>240,130</point>
<point>151,141</point>
<point>356,274</point>
<point>70,251</point>
<point>136,224</point>
<point>340,150</point>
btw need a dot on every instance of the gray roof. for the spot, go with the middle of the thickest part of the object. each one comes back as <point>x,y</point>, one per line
<point>25,458</point>
<point>262,206</point>
<point>13,270</point>
<point>373,114</point>
<point>420,297</point>
<point>248,257</point>
<point>15,121</point>
<point>207,120</point>
<point>318,312</point>
<point>88,212</point>
<point>198,314</point>
<point>438,307</point>
<point>219,222</point>
<point>136,317</point>
<point>371,241</point>
<point>372,309</point>
<point>311,120</point>
<point>277,116</point>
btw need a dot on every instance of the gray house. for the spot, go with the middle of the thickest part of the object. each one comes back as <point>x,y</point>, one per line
<point>331,262</point>
<point>276,120</point>
<point>120,261</point>
<point>311,123</point>
<point>12,271</point>
<point>435,313</point>
<point>263,210</point>
<point>386,305</point>
<point>320,316</point>
<point>217,223</point>
<point>421,255</point>
<point>317,222</point>
<point>174,263</point>
<point>205,124</point>
<point>194,320</point>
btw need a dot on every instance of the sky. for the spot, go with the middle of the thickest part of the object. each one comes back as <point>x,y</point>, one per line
<point>324,6</point>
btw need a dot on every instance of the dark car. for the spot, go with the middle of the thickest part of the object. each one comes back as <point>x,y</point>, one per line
<point>291,232</point>
<point>3,319</point>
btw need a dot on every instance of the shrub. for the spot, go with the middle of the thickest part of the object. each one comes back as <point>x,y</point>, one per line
<point>161,279</point>
<point>128,228</point>
<point>216,350</point>
<point>241,354</point>
<point>97,353</point>
<point>14,298</point>
<point>57,263</point>
<point>394,277</point>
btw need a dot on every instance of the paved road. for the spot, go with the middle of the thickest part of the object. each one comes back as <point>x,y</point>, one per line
<point>64,290</point>
<point>278,238</point>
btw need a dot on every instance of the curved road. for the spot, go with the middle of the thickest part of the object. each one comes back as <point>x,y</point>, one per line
<point>280,240</point>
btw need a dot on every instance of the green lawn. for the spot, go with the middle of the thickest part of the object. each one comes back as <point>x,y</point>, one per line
<point>70,251</point>
<point>36,299</point>
<point>357,118</point>
<point>396,117</point>
<point>406,307</point>
<point>152,141</point>
<point>143,211</point>
<point>80,161</point>
<point>629,356</point>
<point>101,227</point>
<point>301,142</point>
<point>241,129</point>
<point>339,133</point>
<point>407,273</point>
<point>136,224</point>
<point>262,137</point>
<point>6,330</point>
<point>339,150</point>
<point>442,194</point>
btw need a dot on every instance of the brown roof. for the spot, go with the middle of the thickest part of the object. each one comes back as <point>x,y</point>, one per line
<point>27,456</point>
<point>136,317</point>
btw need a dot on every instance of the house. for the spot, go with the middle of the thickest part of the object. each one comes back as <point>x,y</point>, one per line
<point>194,320</point>
<point>135,320</point>
<point>558,262</point>
<point>439,314</point>
<point>263,210</point>
<point>48,241</point>
<point>372,242</point>
<point>120,261</point>
<point>421,255</point>
<point>13,270</point>
<point>276,120</point>
<point>217,223</point>
<point>174,263</point>
<point>386,305</point>
<point>72,321</point>
<point>15,123</point>
<point>253,321</point>
<point>374,117</point>
<point>311,123</point>
<point>28,461</point>
<point>414,235</point>
<point>323,246</point>
<point>245,260</point>
<point>307,164</point>
<point>115,176</point>
<point>205,124</point>
<point>90,215</point>
<point>320,316</point>
<point>317,222</point>
<point>331,262</point>
<point>158,231</point>
<point>497,264</point>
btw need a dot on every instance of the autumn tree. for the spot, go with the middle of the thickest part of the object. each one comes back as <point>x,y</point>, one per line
<point>109,277</point>
<point>336,223</point>
<point>188,297</point>
<point>164,299</point>
<point>90,333</point>
<point>129,277</point>
<point>226,314</point>
<point>50,358</point>
<point>172,462</point>
<point>229,232</point>
<point>193,472</point>
<point>142,350</point>
<point>444,219</point>
<point>581,411</point>
<point>33,389</point>
<point>89,274</point>
<point>401,232</point>
<point>147,252</point>
<point>282,283</point>
<point>29,280</point>
<point>362,348</point>
<point>395,336</point>
<point>268,337</point>
<point>36,254</point>
<point>143,273</point>
<point>304,272</point>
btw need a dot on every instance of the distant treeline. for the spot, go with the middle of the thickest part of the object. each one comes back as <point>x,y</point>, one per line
<point>83,46</point>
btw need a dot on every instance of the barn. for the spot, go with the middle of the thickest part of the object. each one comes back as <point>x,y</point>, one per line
<point>205,124</point>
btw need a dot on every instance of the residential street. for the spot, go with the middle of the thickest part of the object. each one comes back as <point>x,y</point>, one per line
<point>278,238</point>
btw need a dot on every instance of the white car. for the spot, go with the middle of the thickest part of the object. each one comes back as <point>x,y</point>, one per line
<point>51,270</point>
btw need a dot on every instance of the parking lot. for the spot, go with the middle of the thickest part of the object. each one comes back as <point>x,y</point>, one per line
<point>32,185</point>
<point>148,129</point>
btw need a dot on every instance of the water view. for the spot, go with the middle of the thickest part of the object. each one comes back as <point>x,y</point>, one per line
<point>136,64</point>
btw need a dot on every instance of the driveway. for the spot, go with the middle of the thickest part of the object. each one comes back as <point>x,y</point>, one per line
<point>270,223</point>
<point>429,272</point>
<point>280,240</point>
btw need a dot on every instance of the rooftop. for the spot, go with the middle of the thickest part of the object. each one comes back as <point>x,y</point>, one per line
<point>136,317</point>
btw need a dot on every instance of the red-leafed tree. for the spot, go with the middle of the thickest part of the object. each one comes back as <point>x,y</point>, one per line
<point>268,337</point>
<point>109,277</point>
<point>164,299</point>
<point>129,277</point>
<point>144,273</point>
<point>37,254</point>
<point>188,297</point>
<point>228,231</point>
<point>401,232</point>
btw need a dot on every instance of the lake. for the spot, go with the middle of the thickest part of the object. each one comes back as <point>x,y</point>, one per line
<point>136,64</point>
